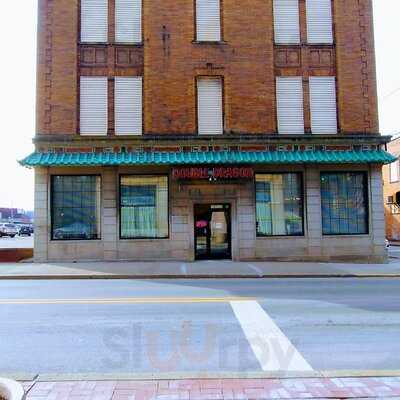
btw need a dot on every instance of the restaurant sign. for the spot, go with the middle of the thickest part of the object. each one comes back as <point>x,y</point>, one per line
<point>213,173</point>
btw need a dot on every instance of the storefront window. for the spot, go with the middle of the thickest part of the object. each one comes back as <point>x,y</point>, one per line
<point>75,207</point>
<point>279,204</point>
<point>144,207</point>
<point>344,203</point>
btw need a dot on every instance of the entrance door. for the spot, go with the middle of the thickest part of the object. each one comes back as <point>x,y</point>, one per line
<point>212,232</point>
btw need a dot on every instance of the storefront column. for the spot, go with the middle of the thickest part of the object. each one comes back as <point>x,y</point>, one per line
<point>110,219</point>
<point>313,203</point>
<point>377,213</point>
<point>42,210</point>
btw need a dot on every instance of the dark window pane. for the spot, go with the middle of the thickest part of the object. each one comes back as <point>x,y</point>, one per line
<point>75,207</point>
<point>279,204</point>
<point>344,203</point>
<point>144,207</point>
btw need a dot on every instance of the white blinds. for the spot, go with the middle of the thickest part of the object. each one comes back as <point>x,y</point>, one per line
<point>287,21</point>
<point>128,105</point>
<point>128,21</point>
<point>319,21</point>
<point>323,104</point>
<point>208,20</point>
<point>93,106</point>
<point>210,115</point>
<point>290,111</point>
<point>94,21</point>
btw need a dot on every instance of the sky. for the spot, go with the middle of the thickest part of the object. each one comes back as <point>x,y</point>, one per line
<point>17,95</point>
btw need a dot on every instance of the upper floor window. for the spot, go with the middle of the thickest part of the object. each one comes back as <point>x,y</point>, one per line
<point>290,109</point>
<point>94,21</point>
<point>209,106</point>
<point>128,105</point>
<point>323,104</point>
<point>319,21</point>
<point>394,171</point>
<point>93,105</point>
<point>208,20</point>
<point>287,21</point>
<point>128,21</point>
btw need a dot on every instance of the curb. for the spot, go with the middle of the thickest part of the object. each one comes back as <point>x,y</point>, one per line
<point>227,276</point>
<point>11,390</point>
<point>215,375</point>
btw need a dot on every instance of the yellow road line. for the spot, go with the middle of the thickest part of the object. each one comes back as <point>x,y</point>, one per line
<point>130,300</point>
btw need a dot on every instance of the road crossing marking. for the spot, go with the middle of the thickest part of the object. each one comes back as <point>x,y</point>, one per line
<point>129,300</point>
<point>272,348</point>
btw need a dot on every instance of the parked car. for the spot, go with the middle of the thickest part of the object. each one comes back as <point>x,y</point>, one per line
<point>76,230</point>
<point>24,230</point>
<point>8,230</point>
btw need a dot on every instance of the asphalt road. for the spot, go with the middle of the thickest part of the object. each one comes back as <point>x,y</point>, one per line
<point>118,326</point>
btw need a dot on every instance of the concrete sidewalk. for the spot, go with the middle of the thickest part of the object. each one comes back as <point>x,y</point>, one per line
<point>216,389</point>
<point>200,269</point>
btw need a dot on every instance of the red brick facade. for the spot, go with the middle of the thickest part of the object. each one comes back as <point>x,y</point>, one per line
<point>170,61</point>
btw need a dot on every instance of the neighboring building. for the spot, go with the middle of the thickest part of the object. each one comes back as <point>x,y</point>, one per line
<point>15,215</point>
<point>176,130</point>
<point>391,192</point>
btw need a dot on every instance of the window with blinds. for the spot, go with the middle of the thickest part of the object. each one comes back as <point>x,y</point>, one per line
<point>290,111</point>
<point>208,20</point>
<point>94,21</point>
<point>319,21</point>
<point>209,104</point>
<point>128,21</point>
<point>93,105</point>
<point>286,21</point>
<point>394,171</point>
<point>323,104</point>
<point>128,105</point>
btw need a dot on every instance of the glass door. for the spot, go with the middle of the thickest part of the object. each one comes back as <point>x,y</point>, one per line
<point>212,231</point>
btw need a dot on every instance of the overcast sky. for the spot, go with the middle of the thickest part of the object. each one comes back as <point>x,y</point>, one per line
<point>17,93</point>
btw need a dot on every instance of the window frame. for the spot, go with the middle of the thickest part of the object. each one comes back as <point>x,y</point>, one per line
<point>221,25</point>
<point>197,107</point>
<point>332,27</point>
<point>303,205</point>
<point>52,239</point>
<point>149,175</point>
<point>133,44</point>
<point>286,43</point>
<point>366,198</point>
<point>80,25</point>
<point>398,172</point>
<point>80,103</point>
<point>282,78</point>
<point>141,134</point>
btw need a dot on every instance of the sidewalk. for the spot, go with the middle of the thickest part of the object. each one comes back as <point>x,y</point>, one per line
<point>215,389</point>
<point>200,269</point>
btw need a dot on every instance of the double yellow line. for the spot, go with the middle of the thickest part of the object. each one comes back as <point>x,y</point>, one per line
<point>128,300</point>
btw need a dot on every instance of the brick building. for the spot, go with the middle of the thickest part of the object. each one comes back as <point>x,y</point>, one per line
<point>180,130</point>
<point>391,192</point>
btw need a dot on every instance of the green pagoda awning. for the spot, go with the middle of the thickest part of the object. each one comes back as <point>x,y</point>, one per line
<point>195,158</point>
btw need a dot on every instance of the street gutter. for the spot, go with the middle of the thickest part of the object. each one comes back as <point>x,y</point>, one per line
<point>162,276</point>
<point>203,375</point>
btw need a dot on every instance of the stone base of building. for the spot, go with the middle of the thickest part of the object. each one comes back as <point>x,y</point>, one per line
<point>238,195</point>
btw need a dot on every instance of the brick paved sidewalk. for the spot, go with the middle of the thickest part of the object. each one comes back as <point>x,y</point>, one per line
<point>232,389</point>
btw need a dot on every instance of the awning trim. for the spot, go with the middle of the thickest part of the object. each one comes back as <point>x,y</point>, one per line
<point>38,159</point>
